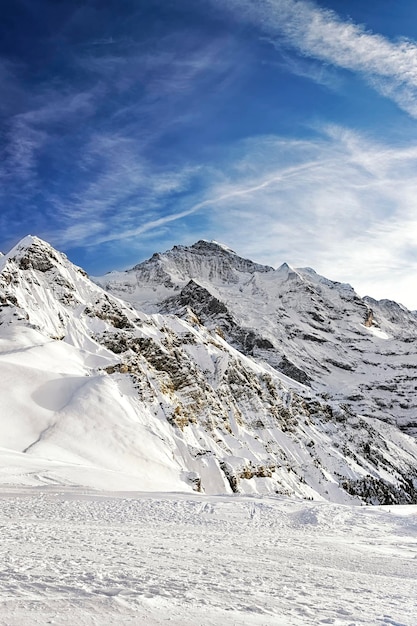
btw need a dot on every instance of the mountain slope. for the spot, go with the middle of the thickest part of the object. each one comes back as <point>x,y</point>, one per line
<point>357,351</point>
<point>98,393</point>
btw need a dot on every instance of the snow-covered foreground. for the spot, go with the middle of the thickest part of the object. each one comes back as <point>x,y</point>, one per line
<point>77,557</point>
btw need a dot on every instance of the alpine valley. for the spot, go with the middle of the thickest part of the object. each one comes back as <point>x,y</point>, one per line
<point>198,370</point>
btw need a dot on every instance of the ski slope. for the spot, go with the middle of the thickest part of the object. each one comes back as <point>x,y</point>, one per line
<point>90,558</point>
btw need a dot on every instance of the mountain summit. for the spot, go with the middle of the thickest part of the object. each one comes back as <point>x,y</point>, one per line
<point>205,261</point>
<point>220,391</point>
<point>319,332</point>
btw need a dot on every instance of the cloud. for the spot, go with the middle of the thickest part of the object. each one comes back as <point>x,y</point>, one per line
<point>128,193</point>
<point>338,202</point>
<point>29,131</point>
<point>390,67</point>
<point>172,66</point>
<point>86,143</point>
<point>32,117</point>
<point>319,73</point>
<point>122,199</point>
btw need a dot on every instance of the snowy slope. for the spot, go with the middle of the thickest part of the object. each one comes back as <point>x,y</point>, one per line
<point>359,352</point>
<point>57,400</point>
<point>98,559</point>
<point>94,391</point>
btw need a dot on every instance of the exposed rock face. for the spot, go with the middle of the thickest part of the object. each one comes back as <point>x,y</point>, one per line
<point>204,259</point>
<point>358,351</point>
<point>174,394</point>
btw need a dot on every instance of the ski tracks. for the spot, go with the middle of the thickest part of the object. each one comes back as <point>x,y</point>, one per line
<point>201,560</point>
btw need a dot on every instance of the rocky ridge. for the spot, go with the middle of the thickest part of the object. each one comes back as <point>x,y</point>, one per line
<point>167,400</point>
<point>357,351</point>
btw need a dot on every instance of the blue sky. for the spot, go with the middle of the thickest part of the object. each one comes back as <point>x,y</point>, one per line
<point>286,129</point>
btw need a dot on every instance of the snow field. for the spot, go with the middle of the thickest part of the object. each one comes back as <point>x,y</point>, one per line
<point>74,557</point>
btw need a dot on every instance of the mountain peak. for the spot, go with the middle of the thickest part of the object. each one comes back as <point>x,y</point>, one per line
<point>253,383</point>
<point>288,272</point>
<point>32,243</point>
<point>212,245</point>
<point>33,252</point>
<point>28,241</point>
<point>214,251</point>
<point>204,260</point>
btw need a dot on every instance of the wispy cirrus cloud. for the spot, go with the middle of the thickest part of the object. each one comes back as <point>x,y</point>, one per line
<point>389,66</point>
<point>320,73</point>
<point>156,85</point>
<point>86,144</point>
<point>28,131</point>
<point>122,195</point>
<point>339,202</point>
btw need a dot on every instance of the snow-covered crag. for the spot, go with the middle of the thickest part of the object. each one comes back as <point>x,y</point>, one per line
<point>357,351</point>
<point>221,389</point>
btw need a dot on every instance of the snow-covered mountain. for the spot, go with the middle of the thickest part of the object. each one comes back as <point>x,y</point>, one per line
<point>202,394</point>
<point>357,351</point>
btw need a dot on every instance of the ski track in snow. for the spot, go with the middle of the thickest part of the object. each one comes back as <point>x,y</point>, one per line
<point>92,558</point>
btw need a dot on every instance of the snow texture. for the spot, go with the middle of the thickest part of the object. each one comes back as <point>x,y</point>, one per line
<point>93,388</point>
<point>200,463</point>
<point>71,557</point>
<point>357,351</point>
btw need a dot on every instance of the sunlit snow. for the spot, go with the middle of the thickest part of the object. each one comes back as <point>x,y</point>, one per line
<point>111,419</point>
<point>85,558</point>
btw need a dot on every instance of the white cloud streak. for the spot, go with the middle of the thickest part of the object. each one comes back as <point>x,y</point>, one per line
<point>27,132</point>
<point>123,199</point>
<point>340,203</point>
<point>389,66</point>
<point>346,206</point>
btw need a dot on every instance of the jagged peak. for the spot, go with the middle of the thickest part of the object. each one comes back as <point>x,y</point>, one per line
<point>32,252</point>
<point>389,304</point>
<point>28,241</point>
<point>36,245</point>
<point>314,277</point>
<point>201,246</point>
<point>203,253</point>
<point>213,246</point>
<point>288,272</point>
